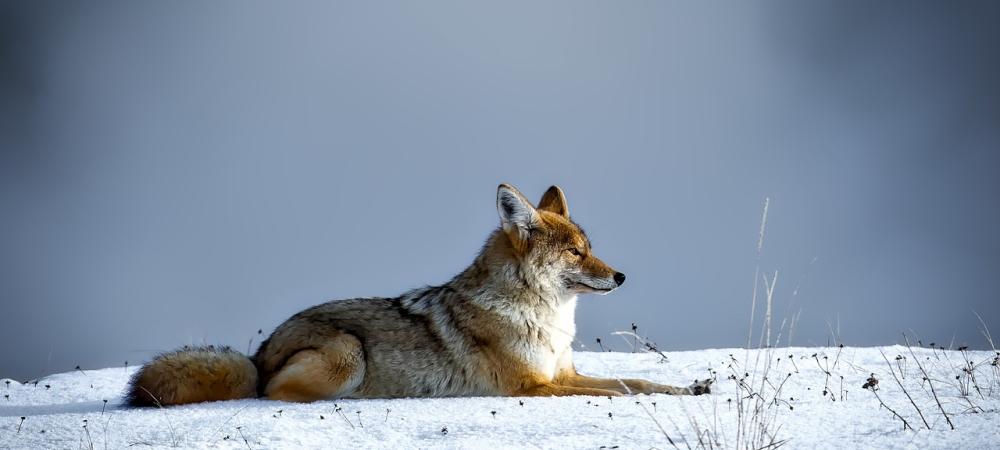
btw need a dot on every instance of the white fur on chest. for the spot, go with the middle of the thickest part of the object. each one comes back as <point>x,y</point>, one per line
<point>558,331</point>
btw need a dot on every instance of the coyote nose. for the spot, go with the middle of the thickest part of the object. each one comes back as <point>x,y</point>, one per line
<point>619,278</point>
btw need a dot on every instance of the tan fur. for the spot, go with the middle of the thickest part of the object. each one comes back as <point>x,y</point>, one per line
<point>326,372</point>
<point>501,327</point>
<point>554,201</point>
<point>621,386</point>
<point>193,375</point>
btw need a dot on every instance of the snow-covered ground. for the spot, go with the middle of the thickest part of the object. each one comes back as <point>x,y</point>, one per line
<point>68,410</point>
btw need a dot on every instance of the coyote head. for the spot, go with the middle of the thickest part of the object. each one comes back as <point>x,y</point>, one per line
<point>548,250</point>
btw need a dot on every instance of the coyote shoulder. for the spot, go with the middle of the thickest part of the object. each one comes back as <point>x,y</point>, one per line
<point>503,326</point>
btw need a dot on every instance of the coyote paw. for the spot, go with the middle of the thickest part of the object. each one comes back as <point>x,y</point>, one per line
<point>701,387</point>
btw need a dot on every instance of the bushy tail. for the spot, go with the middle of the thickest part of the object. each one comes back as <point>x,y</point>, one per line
<point>192,375</point>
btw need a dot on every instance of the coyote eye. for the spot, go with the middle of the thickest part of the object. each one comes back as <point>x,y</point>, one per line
<point>573,251</point>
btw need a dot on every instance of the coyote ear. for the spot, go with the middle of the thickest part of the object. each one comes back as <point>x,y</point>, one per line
<point>517,216</point>
<point>554,201</point>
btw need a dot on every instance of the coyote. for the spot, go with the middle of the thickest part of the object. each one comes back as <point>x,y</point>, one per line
<point>502,327</point>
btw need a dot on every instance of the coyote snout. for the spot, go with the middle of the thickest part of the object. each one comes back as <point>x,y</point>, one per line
<point>582,283</point>
<point>501,327</point>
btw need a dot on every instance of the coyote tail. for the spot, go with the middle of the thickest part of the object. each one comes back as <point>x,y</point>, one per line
<point>191,375</point>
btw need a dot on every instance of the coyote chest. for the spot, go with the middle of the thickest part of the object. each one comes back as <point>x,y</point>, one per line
<point>549,338</point>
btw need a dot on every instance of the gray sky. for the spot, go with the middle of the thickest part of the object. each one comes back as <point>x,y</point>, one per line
<point>187,172</point>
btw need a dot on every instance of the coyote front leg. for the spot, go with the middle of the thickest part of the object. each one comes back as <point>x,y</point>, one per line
<point>634,386</point>
<point>559,390</point>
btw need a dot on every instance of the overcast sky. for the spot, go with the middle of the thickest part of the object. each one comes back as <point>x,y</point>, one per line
<point>188,172</point>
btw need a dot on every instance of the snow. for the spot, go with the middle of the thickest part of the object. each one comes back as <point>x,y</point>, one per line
<point>804,417</point>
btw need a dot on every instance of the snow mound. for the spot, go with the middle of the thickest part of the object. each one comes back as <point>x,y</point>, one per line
<point>811,398</point>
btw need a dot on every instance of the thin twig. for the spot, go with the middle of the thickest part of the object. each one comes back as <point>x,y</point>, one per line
<point>929,382</point>
<point>900,383</point>
<point>756,274</point>
<point>173,435</point>
<point>872,385</point>
<point>245,441</point>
